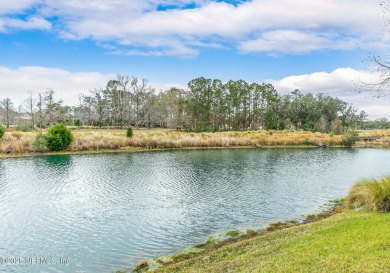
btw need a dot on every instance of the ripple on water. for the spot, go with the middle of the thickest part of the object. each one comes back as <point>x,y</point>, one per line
<point>108,211</point>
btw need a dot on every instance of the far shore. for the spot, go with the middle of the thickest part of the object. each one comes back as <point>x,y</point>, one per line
<point>97,141</point>
<point>137,150</point>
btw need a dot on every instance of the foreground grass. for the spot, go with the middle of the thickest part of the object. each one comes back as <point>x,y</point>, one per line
<point>352,241</point>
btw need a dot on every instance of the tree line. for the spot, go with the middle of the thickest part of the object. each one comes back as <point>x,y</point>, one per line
<point>206,105</point>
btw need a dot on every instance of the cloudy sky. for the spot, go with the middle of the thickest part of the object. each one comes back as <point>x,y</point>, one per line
<point>72,46</point>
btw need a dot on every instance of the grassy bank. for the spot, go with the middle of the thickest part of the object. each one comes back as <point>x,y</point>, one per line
<point>352,241</point>
<point>90,140</point>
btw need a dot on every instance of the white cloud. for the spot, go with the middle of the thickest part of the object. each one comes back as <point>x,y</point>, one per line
<point>16,6</point>
<point>345,83</point>
<point>16,83</point>
<point>2,27</point>
<point>286,26</point>
<point>178,50</point>
<point>28,24</point>
<point>319,24</point>
<point>379,110</point>
<point>19,7</point>
<point>298,42</point>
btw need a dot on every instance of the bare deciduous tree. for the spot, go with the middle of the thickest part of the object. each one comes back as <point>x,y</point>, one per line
<point>30,107</point>
<point>381,64</point>
<point>8,107</point>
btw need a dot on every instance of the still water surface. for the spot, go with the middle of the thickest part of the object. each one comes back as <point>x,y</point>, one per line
<point>104,212</point>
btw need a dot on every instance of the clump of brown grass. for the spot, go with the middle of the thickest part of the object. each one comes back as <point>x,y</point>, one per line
<point>373,194</point>
<point>12,143</point>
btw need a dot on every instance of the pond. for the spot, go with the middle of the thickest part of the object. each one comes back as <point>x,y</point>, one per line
<point>99,213</point>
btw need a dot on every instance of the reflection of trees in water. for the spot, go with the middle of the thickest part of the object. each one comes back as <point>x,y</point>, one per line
<point>207,161</point>
<point>274,158</point>
<point>61,160</point>
<point>58,166</point>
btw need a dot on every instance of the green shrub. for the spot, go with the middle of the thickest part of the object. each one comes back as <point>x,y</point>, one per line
<point>350,138</point>
<point>24,128</point>
<point>40,145</point>
<point>233,233</point>
<point>59,137</point>
<point>129,132</point>
<point>2,131</point>
<point>373,194</point>
<point>77,122</point>
<point>213,240</point>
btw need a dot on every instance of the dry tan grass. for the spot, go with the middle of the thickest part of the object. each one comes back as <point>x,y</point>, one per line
<point>380,133</point>
<point>16,143</point>
<point>383,141</point>
<point>19,142</point>
<point>373,194</point>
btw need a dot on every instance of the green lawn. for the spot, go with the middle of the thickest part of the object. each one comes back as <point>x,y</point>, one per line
<point>346,242</point>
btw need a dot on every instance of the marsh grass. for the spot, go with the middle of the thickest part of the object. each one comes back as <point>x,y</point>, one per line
<point>16,144</point>
<point>372,194</point>
<point>383,141</point>
<point>115,139</point>
<point>161,139</point>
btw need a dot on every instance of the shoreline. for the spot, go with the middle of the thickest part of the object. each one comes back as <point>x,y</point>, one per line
<point>351,240</point>
<point>132,149</point>
<point>241,235</point>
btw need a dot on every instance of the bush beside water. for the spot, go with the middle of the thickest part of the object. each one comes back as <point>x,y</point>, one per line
<point>350,138</point>
<point>40,145</point>
<point>59,137</point>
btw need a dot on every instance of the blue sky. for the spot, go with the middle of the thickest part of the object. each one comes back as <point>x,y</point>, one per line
<point>72,46</point>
